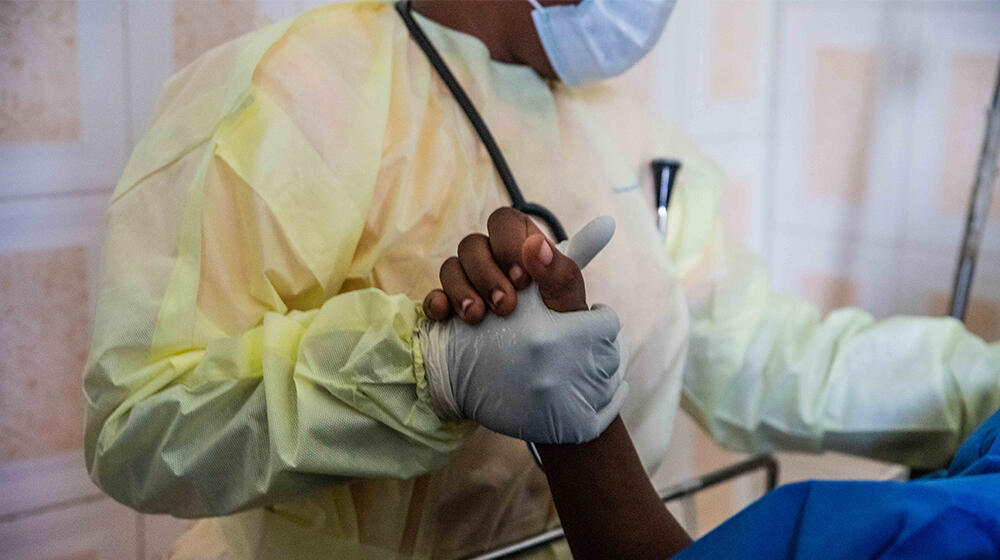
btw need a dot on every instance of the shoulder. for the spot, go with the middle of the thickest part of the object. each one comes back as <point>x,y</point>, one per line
<point>327,70</point>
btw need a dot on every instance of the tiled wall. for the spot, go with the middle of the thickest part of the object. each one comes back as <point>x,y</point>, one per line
<point>849,130</point>
<point>78,80</point>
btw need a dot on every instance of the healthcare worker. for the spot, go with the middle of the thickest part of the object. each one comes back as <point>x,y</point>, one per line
<point>258,352</point>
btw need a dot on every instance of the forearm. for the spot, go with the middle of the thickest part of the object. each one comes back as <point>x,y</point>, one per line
<point>606,503</point>
<point>769,371</point>
<point>816,383</point>
<point>266,414</point>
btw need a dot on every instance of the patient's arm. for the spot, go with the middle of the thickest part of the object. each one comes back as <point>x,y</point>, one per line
<point>605,501</point>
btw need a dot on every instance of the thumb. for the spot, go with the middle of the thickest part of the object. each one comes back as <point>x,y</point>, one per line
<point>589,241</point>
<point>557,276</point>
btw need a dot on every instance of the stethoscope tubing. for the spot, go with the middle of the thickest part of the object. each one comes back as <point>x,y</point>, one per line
<point>477,122</point>
<point>483,131</point>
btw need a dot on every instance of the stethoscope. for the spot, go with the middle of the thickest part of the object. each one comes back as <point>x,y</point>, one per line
<point>476,120</point>
<point>665,171</point>
<point>499,162</point>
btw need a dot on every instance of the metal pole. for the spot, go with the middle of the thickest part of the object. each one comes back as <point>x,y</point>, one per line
<point>979,206</point>
<point>688,487</point>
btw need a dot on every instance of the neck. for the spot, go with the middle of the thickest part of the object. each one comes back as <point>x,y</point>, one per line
<point>487,21</point>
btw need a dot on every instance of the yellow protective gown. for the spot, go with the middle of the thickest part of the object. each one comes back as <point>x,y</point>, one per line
<point>267,246</point>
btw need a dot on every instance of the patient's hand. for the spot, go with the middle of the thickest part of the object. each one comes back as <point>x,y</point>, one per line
<point>549,372</point>
<point>489,270</point>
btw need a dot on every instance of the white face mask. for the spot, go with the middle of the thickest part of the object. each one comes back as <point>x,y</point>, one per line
<point>598,39</point>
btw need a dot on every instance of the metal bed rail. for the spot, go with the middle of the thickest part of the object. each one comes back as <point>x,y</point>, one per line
<point>975,224</point>
<point>979,209</point>
<point>686,488</point>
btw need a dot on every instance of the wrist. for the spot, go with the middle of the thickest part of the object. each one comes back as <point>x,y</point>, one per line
<point>432,340</point>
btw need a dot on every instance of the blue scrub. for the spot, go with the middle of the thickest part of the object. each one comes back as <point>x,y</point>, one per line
<point>954,513</point>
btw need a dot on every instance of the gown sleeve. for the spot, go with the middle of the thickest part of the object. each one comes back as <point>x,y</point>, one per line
<point>767,371</point>
<point>233,362</point>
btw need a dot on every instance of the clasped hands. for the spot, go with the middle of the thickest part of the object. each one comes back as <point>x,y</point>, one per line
<point>510,342</point>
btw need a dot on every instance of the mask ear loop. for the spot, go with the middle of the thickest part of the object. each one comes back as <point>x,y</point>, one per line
<point>536,5</point>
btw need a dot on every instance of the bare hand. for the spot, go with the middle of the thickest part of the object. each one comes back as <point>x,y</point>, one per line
<point>489,270</point>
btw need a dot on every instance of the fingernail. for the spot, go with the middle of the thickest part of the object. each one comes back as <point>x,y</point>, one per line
<point>545,253</point>
<point>497,296</point>
<point>466,303</point>
<point>516,273</point>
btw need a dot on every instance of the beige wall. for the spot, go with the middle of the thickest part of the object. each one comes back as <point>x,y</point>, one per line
<point>849,130</point>
<point>77,82</point>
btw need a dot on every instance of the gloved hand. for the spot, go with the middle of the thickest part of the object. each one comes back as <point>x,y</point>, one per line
<point>536,374</point>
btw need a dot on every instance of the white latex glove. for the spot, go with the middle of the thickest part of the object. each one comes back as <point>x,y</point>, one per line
<point>537,374</point>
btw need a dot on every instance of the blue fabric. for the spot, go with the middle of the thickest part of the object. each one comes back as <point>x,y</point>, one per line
<point>954,513</point>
